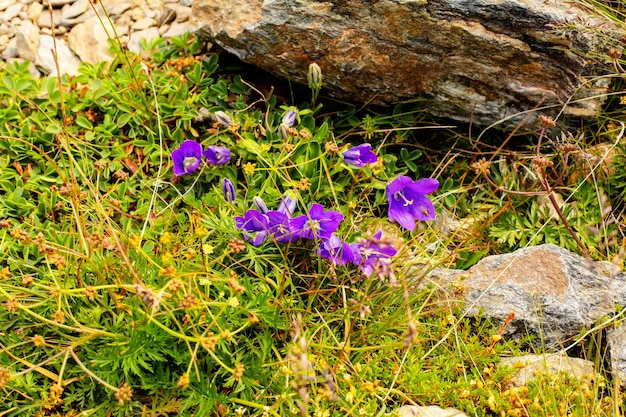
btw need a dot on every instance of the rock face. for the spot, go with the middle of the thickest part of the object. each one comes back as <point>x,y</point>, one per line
<point>479,60</point>
<point>552,293</point>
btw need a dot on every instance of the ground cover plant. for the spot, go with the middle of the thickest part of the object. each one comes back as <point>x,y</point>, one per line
<point>176,241</point>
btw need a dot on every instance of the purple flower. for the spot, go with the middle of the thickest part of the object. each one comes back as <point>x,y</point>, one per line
<point>373,254</point>
<point>229,190</point>
<point>408,201</point>
<point>254,225</point>
<point>217,155</point>
<point>317,224</point>
<point>281,227</point>
<point>187,157</point>
<point>287,205</point>
<point>289,118</point>
<point>360,155</point>
<point>338,251</point>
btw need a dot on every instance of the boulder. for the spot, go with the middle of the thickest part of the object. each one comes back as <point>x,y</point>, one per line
<point>543,290</point>
<point>469,60</point>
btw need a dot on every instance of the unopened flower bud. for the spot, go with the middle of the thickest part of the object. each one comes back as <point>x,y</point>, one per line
<point>229,190</point>
<point>283,131</point>
<point>260,204</point>
<point>289,118</point>
<point>222,118</point>
<point>314,77</point>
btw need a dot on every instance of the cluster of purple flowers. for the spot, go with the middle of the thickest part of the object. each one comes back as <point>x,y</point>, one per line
<point>319,225</point>
<point>407,203</point>
<point>188,156</point>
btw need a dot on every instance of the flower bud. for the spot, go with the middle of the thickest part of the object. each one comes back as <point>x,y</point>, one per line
<point>229,190</point>
<point>260,204</point>
<point>287,205</point>
<point>314,77</point>
<point>283,131</point>
<point>222,118</point>
<point>289,118</point>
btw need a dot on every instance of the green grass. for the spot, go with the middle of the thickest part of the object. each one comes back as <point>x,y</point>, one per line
<point>128,291</point>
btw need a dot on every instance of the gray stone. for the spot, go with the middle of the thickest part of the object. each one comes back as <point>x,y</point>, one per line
<point>34,11</point>
<point>177,29</point>
<point>5,4</point>
<point>118,8</point>
<point>134,43</point>
<point>143,24</point>
<point>68,62</point>
<point>46,21</point>
<point>12,11</point>
<point>552,293</point>
<point>616,339</point>
<point>182,13</point>
<point>11,50</point>
<point>89,40</point>
<point>75,9</point>
<point>27,40</point>
<point>168,16</point>
<point>529,367</point>
<point>59,3</point>
<point>478,60</point>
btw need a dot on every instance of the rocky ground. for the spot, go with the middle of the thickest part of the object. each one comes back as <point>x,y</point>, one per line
<point>82,28</point>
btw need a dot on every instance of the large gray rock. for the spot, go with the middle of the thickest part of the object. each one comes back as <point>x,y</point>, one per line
<point>480,60</point>
<point>553,293</point>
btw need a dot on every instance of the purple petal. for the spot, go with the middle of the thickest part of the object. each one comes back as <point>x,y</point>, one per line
<point>398,184</point>
<point>187,157</point>
<point>425,185</point>
<point>217,155</point>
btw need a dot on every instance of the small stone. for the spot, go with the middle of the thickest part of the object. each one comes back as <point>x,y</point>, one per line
<point>532,366</point>
<point>59,3</point>
<point>12,11</point>
<point>4,4</point>
<point>118,9</point>
<point>68,62</point>
<point>6,29</point>
<point>27,39</point>
<point>144,23</point>
<point>186,3</point>
<point>70,11</point>
<point>61,30</point>
<point>44,20</point>
<point>10,50</point>
<point>89,41</point>
<point>167,16</point>
<point>137,14</point>
<point>134,43</point>
<point>183,13</point>
<point>178,29</point>
<point>34,11</point>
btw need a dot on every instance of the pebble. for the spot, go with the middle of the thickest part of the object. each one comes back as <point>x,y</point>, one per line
<point>26,27</point>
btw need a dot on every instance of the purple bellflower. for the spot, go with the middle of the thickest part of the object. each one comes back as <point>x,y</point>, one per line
<point>360,155</point>
<point>338,251</point>
<point>281,227</point>
<point>255,226</point>
<point>217,155</point>
<point>187,157</point>
<point>317,224</point>
<point>408,201</point>
<point>229,190</point>
<point>373,254</point>
<point>289,118</point>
